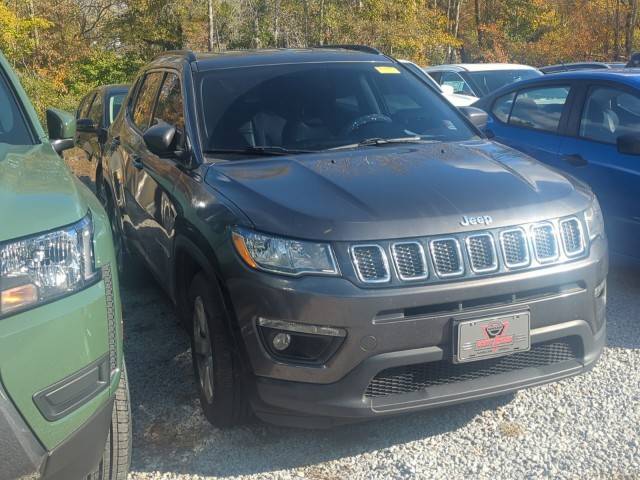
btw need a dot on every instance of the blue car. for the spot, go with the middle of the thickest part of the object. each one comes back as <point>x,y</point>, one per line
<point>586,123</point>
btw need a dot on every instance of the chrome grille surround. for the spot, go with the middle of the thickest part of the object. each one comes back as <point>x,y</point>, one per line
<point>447,257</point>
<point>545,242</point>
<point>469,254</point>
<point>410,261</point>
<point>482,253</point>
<point>371,264</point>
<point>572,237</point>
<point>515,248</point>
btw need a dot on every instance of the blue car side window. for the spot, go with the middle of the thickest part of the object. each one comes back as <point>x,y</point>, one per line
<point>502,107</point>
<point>608,114</point>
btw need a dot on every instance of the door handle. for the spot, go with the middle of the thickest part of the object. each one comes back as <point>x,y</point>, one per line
<point>137,161</point>
<point>575,159</point>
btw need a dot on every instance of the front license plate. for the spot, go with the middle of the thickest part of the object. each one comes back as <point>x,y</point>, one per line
<point>492,337</point>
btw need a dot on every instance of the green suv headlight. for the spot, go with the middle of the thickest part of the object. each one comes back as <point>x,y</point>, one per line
<point>47,266</point>
<point>282,255</point>
<point>595,220</point>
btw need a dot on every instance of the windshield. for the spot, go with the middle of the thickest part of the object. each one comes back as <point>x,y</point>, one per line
<point>311,107</point>
<point>492,80</point>
<point>13,128</point>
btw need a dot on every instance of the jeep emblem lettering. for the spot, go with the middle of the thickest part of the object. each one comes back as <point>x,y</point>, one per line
<point>471,221</point>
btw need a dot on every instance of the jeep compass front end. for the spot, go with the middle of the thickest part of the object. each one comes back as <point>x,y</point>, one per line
<point>341,242</point>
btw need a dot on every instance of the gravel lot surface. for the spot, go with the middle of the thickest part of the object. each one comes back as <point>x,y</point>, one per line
<point>585,427</point>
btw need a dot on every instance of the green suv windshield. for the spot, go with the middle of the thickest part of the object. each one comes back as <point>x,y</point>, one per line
<point>310,107</point>
<point>13,128</point>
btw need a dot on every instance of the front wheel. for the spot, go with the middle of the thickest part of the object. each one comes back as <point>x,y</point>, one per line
<point>116,457</point>
<point>215,362</point>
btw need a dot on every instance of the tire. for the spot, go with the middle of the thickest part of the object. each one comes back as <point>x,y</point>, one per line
<point>218,375</point>
<point>116,458</point>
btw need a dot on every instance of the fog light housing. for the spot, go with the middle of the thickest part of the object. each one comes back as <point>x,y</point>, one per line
<point>294,342</point>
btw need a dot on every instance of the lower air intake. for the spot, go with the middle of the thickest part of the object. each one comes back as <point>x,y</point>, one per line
<point>416,378</point>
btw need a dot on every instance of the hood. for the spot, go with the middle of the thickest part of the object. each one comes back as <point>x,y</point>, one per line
<point>37,191</point>
<point>391,192</point>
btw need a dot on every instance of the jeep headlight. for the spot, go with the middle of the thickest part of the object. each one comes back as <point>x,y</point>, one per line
<point>283,255</point>
<point>595,220</point>
<point>47,266</point>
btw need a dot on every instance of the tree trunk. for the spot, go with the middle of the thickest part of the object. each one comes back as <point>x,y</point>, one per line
<point>32,15</point>
<point>276,21</point>
<point>211,25</point>
<point>478,23</point>
<point>632,18</point>
<point>616,32</point>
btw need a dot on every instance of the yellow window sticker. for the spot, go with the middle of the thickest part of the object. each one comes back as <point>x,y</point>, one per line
<point>387,70</point>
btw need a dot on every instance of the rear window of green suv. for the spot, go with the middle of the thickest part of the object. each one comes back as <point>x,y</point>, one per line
<point>13,127</point>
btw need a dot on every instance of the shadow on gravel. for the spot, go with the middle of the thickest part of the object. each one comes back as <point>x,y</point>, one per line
<point>170,435</point>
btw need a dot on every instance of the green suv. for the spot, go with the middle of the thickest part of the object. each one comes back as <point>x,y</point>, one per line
<point>64,401</point>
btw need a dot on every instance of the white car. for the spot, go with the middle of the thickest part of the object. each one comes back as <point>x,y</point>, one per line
<point>479,79</point>
<point>447,90</point>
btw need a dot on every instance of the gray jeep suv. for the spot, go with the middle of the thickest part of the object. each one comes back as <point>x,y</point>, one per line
<point>342,243</point>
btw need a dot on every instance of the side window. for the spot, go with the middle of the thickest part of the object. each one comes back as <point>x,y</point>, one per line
<point>95,112</point>
<point>115,104</point>
<point>457,82</point>
<point>502,107</point>
<point>83,109</point>
<point>608,114</point>
<point>170,105</point>
<point>145,99</point>
<point>539,108</point>
<point>437,76</point>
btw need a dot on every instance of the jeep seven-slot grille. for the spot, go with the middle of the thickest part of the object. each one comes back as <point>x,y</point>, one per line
<point>410,260</point>
<point>371,263</point>
<point>470,254</point>
<point>446,257</point>
<point>572,236</point>
<point>420,377</point>
<point>482,253</point>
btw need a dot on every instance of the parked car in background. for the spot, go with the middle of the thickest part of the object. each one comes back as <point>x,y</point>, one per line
<point>480,79</point>
<point>97,110</point>
<point>447,90</point>
<point>586,123</point>
<point>64,402</point>
<point>342,244</point>
<point>570,67</point>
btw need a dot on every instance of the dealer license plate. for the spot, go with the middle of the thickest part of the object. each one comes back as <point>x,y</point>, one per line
<point>492,337</point>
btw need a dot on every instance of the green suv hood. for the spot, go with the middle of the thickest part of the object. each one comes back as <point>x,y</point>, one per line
<point>37,191</point>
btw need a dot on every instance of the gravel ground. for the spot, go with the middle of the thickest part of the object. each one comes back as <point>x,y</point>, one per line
<point>585,427</point>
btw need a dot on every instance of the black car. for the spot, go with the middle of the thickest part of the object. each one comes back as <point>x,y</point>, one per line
<point>97,110</point>
<point>342,243</point>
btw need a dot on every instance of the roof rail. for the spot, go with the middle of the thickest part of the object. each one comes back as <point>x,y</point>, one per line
<point>357,48</point>
<point>188,54</point>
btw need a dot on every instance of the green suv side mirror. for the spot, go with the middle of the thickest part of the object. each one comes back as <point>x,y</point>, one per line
<point>62,128</point>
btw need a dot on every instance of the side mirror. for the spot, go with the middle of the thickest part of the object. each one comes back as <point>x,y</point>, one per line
<point>86,125</point>
<point>476,116</point>
<point>447,89</point>
<point>160,138</point>
<point>629,144</point>
<point>62,128</point>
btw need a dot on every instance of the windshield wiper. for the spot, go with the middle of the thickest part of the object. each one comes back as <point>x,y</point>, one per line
<point>271,150</point>
<point>378,141</point>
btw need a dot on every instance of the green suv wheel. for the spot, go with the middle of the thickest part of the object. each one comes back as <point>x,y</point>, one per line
<point>215,363</point>
<point>116,458</point>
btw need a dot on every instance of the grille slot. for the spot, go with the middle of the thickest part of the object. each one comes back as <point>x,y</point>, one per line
<point>447,257</point>
<point>572,237</point>
<point>514,248</point>
<point>371,263</point>
<point>545,244</point>
<point>482,253</point>
<point>416,378</point>
<point>410,261</point>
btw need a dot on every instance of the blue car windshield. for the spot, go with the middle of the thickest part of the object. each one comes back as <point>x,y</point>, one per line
<point>13,128</point>
<point>319,106</point>
<point>491,80</point>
